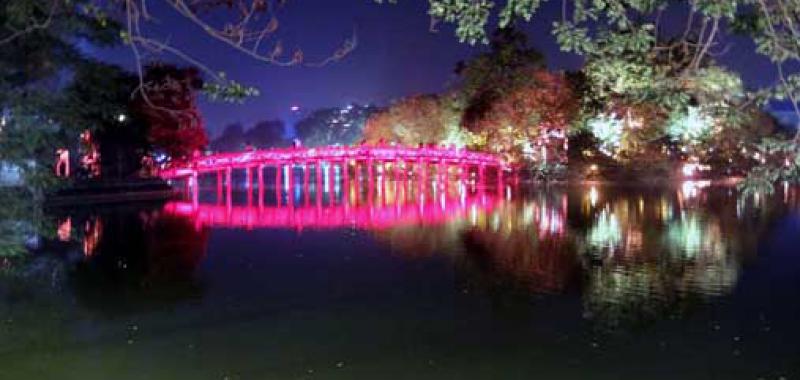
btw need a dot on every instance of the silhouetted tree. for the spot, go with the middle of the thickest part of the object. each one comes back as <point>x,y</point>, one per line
<point>331,126</point>
<point>168,101</point>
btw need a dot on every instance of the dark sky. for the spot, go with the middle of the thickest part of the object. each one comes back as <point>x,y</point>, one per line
<point>397,55</point>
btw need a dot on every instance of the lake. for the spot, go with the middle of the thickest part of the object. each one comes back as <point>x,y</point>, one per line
<point>398,280</point>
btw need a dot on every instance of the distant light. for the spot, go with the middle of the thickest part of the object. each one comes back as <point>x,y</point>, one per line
<point>161,158</point>
<point>122,117</point>
<point>295,108</point>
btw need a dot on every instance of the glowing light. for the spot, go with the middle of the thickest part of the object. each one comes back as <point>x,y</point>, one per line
<point>376,216</point>
<point>593,196</point>
<point>221,161</point>
<point>609,130</point>
<point>65,230</point>
<point>294,108</point>
<point>62,163</point>
<point>690,189</point>
<point>606,232</point>
<point>122,117</point>
<point>691,126</point>
<point>690,169</point>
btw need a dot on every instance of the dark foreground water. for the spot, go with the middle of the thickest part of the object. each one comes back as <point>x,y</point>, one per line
<point>387,282</point>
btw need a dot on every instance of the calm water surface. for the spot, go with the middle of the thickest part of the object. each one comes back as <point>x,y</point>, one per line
<point>390,281</point>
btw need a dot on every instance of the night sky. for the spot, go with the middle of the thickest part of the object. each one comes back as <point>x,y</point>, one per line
<point>397,55</point>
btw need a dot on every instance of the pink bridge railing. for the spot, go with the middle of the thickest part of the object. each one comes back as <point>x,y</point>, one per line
<point>335,155</point>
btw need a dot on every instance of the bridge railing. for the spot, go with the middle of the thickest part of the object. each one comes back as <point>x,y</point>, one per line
<point>426,155</point>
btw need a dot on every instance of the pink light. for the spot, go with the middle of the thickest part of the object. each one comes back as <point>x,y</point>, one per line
<point>426,155</point>
<point>375,216</point>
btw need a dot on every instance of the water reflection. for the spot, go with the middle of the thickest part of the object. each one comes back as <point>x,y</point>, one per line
<point>634,254</point>
<point>391,279</point>
<point>129,259</point>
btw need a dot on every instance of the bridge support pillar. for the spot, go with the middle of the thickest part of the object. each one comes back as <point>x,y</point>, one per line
<point>423,172</point>
<point>228,186</point>
<point>260,186</point>
<point>306,190</point>
<point>278,183</point>
<point>290,191</point>
<point>318,185</point>
<point>441,171</point>
<point>219,186</point>
<point>500,182</point>
<point>195,186</point>
<point>370,182</point>
<point>248,185</point>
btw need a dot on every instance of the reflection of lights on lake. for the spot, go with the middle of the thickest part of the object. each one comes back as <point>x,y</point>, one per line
<point>593,196</point>
<point>690,189</point>
<point>65,230</point>
<point>686,234</point>
<point>606,231</point>
<point>785,192</point>
<point>473,215</point>
<point>690,169</point>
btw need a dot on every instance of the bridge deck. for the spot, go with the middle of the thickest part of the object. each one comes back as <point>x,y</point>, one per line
<point>291,156</point>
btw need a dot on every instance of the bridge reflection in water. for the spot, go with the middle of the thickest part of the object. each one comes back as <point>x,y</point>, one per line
<point>634,254</point>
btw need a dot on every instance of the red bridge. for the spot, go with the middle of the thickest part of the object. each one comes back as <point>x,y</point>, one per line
<point>336,154</point>
<point>403,163</point>
<point>369,155</point>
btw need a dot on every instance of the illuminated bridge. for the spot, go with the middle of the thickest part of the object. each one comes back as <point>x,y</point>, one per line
<point>398,158</point>
<point>353,183</point>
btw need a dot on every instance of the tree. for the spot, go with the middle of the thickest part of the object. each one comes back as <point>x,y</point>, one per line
<point>529,121</point>
<point>334,126</point>
<point>169,105</point>
<point>30,83</point>
<point>99,100</point>
<point>488,77</point>
<point>422,119</point>
<point>231,139</point>
<point>629,52</point>
<point>267,134</point>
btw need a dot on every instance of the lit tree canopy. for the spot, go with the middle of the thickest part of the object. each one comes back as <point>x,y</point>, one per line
<point>528,114</point>
<point>416,120</point>
<point>334,126</point>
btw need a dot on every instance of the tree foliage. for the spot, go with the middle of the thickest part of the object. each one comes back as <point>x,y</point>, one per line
<point>421,119</point>
<point>545,106</point>
<point>265,134</point>
<point>99,100</point>
<point>30,82</point>
<point>334,126</point>
<point>169,105</point>
<point>631,59</point>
